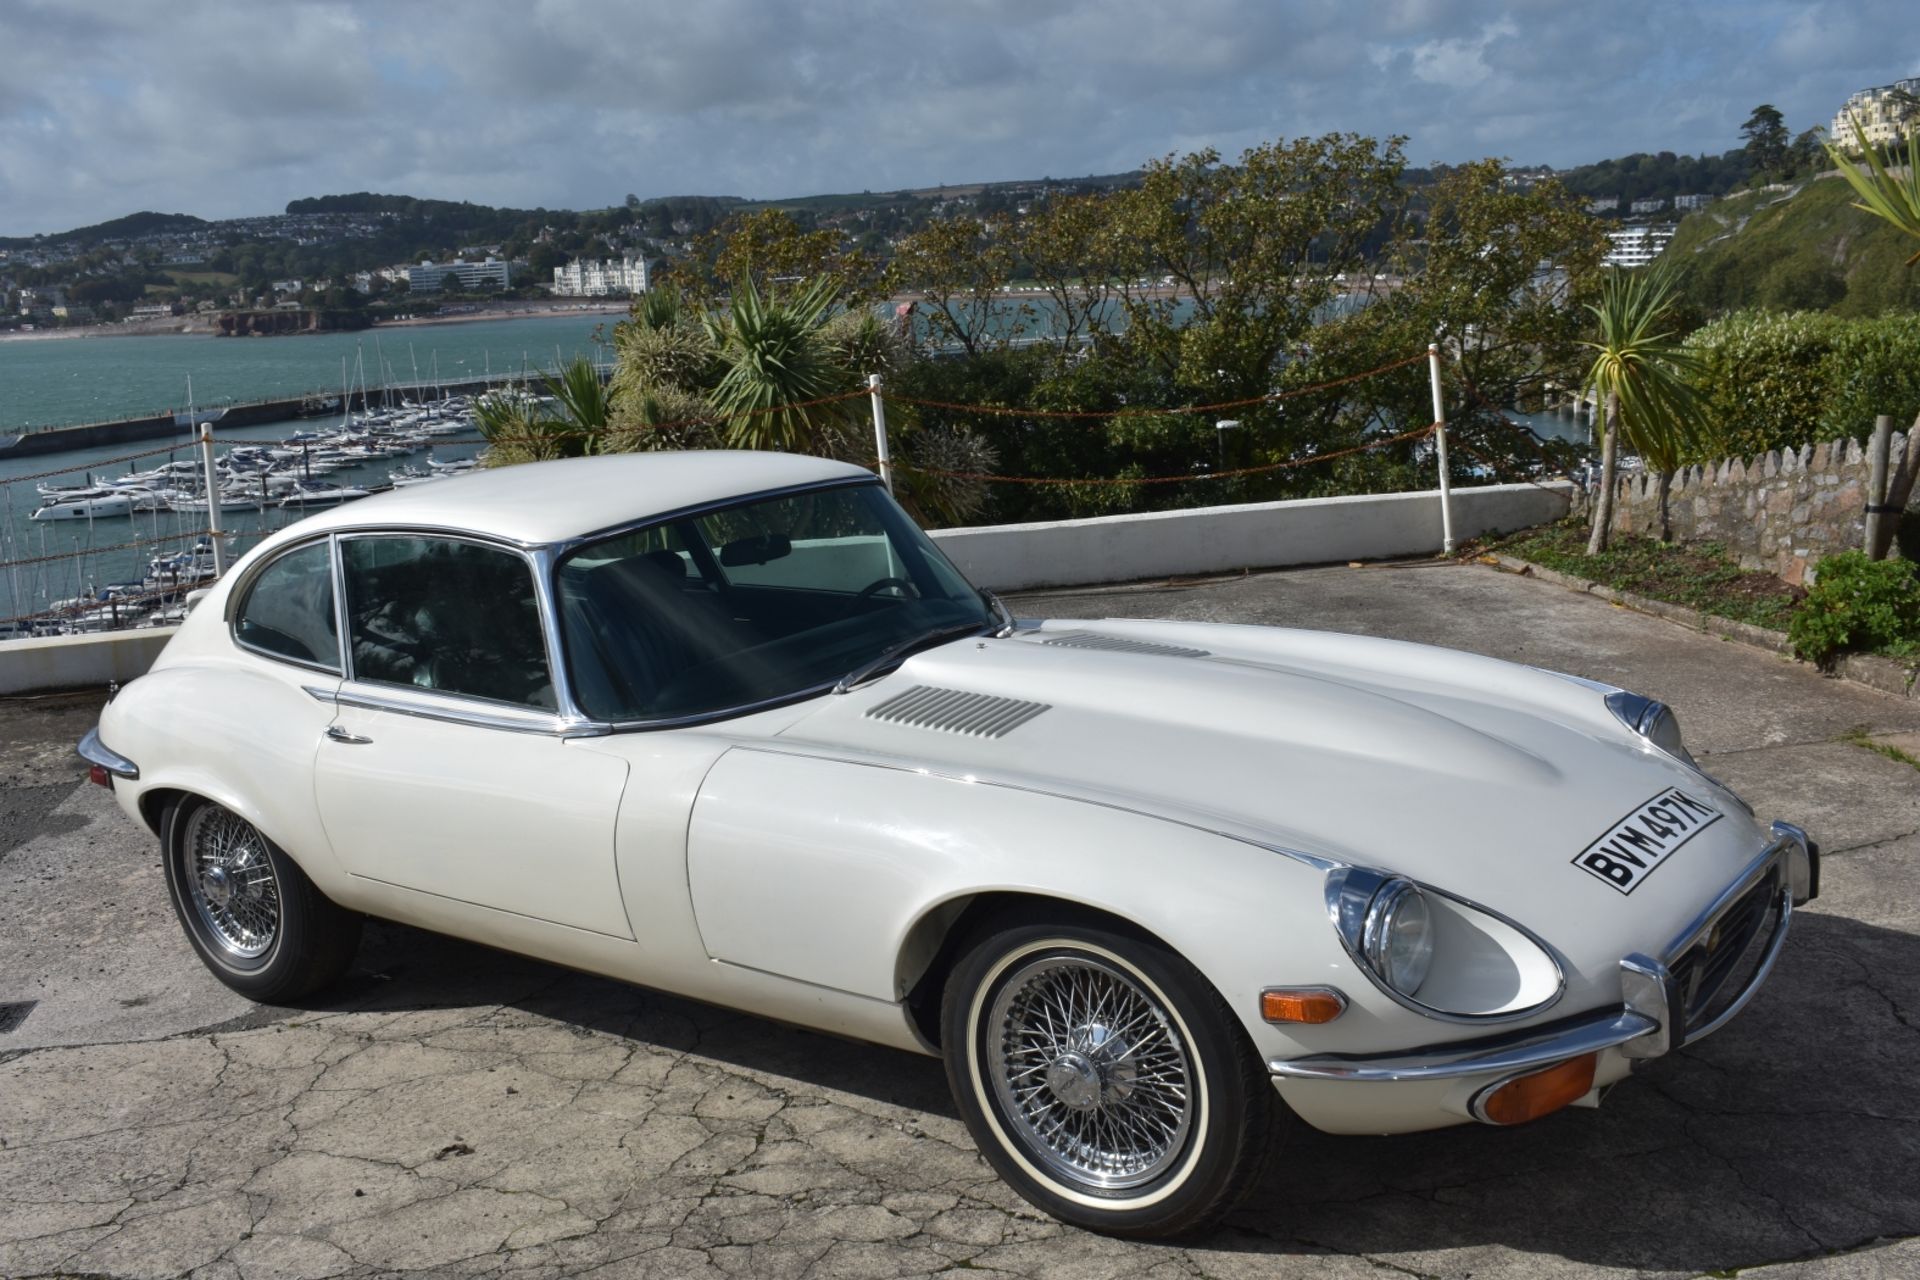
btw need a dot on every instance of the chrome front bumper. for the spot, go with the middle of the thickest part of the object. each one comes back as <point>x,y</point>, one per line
<point>1651,1020</point>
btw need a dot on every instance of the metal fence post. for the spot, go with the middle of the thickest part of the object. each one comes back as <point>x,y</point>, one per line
<point>213,499</point>
<point>1878,453</point>
<point>880,431</point>
<point>1440,445</point>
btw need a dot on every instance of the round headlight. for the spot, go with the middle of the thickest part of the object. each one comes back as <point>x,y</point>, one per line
<point>1398,941</point>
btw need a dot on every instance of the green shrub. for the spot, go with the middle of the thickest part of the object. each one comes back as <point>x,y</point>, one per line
<point>1761,379</point>
<point>1779,380</point>
<point>1859,604</point>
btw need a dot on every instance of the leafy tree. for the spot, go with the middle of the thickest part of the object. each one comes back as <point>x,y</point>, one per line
<point>1641,376</point>
<point>1070,247</point>
<point>959,268</point>
<point>1253,247</point>
<point>769,247</point>
<point>1766,137</point>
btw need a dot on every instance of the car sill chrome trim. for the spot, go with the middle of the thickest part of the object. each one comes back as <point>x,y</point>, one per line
<point>1512,1053</point>
<point>94,751</point>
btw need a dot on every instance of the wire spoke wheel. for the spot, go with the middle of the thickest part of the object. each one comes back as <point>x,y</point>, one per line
<point>230,882</point>
<point>1091,1072</point>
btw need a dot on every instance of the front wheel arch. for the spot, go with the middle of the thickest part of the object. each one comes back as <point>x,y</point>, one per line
<point>945,930</point>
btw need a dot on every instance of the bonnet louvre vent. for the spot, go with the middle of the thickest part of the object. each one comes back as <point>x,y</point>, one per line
<point>957,711</point>
<point>1119,644</point>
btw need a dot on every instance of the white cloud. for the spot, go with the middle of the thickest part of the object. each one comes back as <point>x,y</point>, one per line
<point>1460,62</point>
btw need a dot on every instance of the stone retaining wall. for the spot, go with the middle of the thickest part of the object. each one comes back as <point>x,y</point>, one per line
<point>1781,511</point>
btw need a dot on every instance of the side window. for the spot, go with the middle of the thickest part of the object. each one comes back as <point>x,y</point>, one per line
<point>288,609</point>
<point>438,613</point>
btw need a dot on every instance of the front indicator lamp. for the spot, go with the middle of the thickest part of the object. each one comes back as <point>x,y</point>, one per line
<point>1538,1093</point>
<point>1301,1004</point>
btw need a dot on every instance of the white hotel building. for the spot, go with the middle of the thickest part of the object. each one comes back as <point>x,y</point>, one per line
<point>1637,246</point>
<point>593,278</point>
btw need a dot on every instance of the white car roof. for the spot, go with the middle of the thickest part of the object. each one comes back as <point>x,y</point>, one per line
<point>542,502</point>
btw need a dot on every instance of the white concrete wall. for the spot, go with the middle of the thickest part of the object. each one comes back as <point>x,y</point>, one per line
<point>1059,553</point>
<point>1264,535</point>
<point>79,662</point>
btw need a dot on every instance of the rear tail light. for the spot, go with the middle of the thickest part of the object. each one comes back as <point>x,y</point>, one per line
<point>98,775</point>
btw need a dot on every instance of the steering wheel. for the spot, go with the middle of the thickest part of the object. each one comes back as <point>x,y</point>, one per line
<point>903,588</point>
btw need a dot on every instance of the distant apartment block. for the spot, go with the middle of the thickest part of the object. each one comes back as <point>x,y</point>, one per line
<point>432,277</point>
<point>1637,246</point>
<point>595,278</point>
<point>1603,204</point>
<point>1653,205</point>
<point>1886,112</point>
<point>1692,202</point>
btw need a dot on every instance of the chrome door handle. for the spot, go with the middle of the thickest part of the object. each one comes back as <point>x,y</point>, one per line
<point>336,734</point>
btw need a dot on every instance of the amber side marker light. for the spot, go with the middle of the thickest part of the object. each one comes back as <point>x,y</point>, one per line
<point>1301,1004</point>
<point>1529,1097</point>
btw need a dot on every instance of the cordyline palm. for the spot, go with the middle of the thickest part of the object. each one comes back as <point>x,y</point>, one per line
<point>1893,197</point>
<point>521,429</point>
<point>775,362</point>
<point>1642,376</point>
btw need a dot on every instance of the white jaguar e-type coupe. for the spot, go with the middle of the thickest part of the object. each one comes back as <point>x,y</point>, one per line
<point>729,725</point>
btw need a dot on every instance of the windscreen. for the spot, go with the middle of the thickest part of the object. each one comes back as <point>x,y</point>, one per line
<point>753,603</point>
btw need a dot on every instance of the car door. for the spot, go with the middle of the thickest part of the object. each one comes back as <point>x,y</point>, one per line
<point>446,769</point>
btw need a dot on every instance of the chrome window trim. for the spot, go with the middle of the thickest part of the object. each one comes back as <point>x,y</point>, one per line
<point>1351,891</point>
<point>529,556</point>
<point>1514,1053</point>
<point>94,751</point>
<point>428,704</point>
<point>243,588</point>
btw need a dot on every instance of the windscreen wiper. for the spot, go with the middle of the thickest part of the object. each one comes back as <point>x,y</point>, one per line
<point>894,655</point>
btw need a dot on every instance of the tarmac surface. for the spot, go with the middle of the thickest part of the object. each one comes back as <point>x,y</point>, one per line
<point>453,1111</point>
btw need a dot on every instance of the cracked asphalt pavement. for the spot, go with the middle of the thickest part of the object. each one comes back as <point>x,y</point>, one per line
<point>452,1111</point>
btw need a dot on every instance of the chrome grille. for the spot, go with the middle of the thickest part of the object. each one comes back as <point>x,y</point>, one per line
<point>979,715</point>
<point>1119,644</point>
<point>1712,973</point>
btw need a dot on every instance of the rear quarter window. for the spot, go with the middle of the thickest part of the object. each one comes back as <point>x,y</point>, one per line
<point>288,609</point>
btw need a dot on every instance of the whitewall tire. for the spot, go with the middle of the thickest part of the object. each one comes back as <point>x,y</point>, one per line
<point>1103,1077</point>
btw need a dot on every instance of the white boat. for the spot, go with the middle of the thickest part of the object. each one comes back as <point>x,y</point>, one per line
<point>101,503</point>
<point>330,495</point>
<point>229,501</point>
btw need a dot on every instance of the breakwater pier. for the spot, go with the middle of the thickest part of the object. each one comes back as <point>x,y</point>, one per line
<point>182,425</point>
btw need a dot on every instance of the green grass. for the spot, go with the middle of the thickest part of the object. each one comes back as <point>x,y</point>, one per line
<point>1861,736</point>
<point>1700,576</point>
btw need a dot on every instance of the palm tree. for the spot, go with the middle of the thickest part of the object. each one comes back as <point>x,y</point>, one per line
<point>1883,193</point>
<point>775,362</point>
<point>1641,374</point>
<point>519,428</point>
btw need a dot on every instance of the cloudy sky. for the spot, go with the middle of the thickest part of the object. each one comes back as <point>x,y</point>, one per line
<point>221,109</point>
